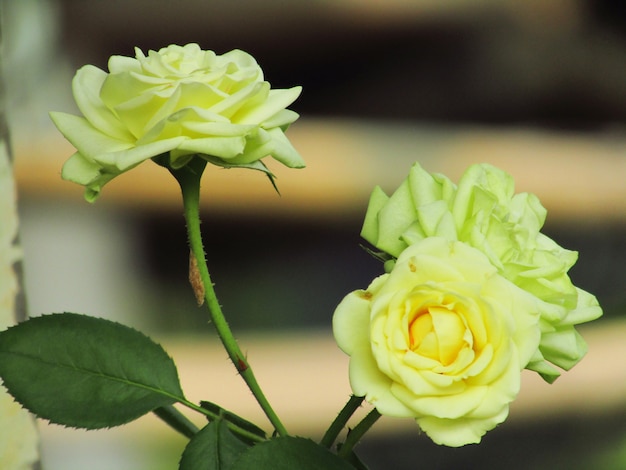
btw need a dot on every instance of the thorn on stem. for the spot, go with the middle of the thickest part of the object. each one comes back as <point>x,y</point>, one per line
<point>241,365</point>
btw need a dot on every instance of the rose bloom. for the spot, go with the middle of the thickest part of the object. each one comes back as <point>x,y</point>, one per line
<point>442,338</point>
<point>180,101</point>
<point>484,211</point>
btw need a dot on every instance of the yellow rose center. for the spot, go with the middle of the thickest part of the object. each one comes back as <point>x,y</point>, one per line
<point>437,333</point>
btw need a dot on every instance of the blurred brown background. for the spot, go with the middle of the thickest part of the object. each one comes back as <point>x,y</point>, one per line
<point>538,88</point>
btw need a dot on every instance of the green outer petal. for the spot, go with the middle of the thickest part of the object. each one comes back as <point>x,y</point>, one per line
<point>126,159</point>
<point>394,218</point>
<point>276,101</point>
<point>424,187</point>
<point>80,170</point>
<point>435,220</point>
<point>486,178</point>
<point>587,309</point>
<point>284,151</point>
<point>86,87</point>
<point>370,228</point>
<point>563,348</point>
<point>88,140</point>
<point>281,119</point>
<point>547,372</point>
<point>92,190</point>
<point>230,106</point>
<point>218,129</point>
<point>257,147</point>
<point>222,147</point>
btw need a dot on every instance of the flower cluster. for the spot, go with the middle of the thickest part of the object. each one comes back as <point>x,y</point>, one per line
<point>474,294</point>
<point>180,101</point>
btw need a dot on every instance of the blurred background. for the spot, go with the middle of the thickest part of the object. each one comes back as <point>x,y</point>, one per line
<point>537,88</point>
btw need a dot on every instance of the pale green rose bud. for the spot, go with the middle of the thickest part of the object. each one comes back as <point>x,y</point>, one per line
<point>442,338</point>
<point>484,212</point>
<point>180,101</point>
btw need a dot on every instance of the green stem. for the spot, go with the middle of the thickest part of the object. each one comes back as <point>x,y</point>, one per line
<point>189,179</point>
<point>341,420</point>
<point>176,420</point>
<point>234,427</point>
<point>355,435</point>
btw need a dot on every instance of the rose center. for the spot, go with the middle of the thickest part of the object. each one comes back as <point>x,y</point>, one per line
<point>437,333</point>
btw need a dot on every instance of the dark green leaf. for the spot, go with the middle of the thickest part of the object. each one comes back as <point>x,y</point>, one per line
<point>356,462</point>
<point>213,448</point>
<point>233,418</point>
<point>85,372</point>
<point>290,453</point>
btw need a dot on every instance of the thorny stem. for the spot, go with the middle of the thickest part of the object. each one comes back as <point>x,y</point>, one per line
<point>189,179</point>
<point>341,420</point>
<point>355,435</point>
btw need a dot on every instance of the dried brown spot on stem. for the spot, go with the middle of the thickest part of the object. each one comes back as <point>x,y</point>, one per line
<point>195,280</point>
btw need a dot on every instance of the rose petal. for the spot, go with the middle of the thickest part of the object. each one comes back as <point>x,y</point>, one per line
<point>86,87</point>
<point>282,120</point>
<point>283,151</point>
<point>367,380</point>
<point>221,147</point>
<point>276,101</point>
<point>129,158</point>
<point>461,431</point>
<point>80,170</point>
<point>88,140</point>
<point>351,321</point>
<point>564,348</point>
<point>370,229</point>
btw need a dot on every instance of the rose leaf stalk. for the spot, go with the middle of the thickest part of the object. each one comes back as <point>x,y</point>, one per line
<point>341,420</point>
<point>355,435</point>
<point>188,178</point>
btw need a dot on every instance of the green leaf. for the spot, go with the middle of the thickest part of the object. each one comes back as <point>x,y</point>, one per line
<point>290,453</point>
<point>85,372</point>
<point>233,418</point>
<point>356,462</point>
<point>214,447</point>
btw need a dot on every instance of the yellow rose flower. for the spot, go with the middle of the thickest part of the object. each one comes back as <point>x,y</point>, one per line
<point>181,101</point>
<point>484,211</point>
<point>442,338</point>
